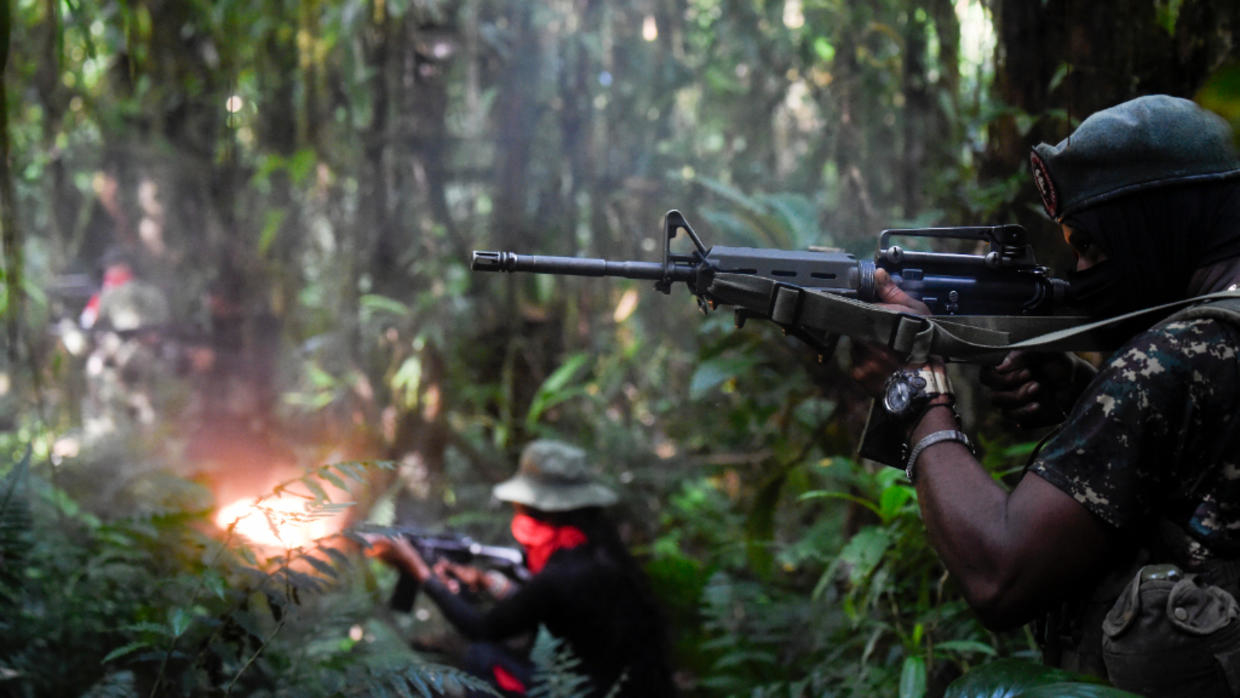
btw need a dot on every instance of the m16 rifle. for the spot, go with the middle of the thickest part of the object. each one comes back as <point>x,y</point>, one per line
<point>981,302</point>
<point>453,547</point>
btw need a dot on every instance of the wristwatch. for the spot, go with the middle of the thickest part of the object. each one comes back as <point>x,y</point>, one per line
<point>906,396</point>
<point>908,391</point>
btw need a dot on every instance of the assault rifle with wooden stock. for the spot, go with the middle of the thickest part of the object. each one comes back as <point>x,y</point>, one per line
<point>982,304</point>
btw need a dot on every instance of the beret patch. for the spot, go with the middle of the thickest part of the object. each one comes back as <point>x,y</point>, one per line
<point>1046,187</point>
<point>1145,143</point>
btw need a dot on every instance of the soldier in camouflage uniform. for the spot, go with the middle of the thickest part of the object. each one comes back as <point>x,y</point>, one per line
<point>1123,536</point>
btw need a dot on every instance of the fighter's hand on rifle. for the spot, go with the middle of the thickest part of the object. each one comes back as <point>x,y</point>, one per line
<point>1036,389</point>
<point>399,553</point>
<point>454,576</point>
<point>872,364</point>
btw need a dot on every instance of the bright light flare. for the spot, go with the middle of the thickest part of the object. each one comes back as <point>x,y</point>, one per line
<point>281,522</point>
<point>794,17</point>
<point>650,28</point>
<point>626,306</point>
<point>234,104</point>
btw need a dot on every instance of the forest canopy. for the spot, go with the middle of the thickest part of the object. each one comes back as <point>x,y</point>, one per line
<point>298,186</point>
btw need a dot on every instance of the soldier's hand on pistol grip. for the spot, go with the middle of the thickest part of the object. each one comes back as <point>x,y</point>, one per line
<point>1036,389</point>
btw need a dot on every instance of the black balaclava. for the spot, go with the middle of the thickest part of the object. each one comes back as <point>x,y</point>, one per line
<point>1154,241</point>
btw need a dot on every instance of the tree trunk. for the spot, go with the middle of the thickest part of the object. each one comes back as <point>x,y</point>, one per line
<point>1077,55</point>
<point>516,114</point>
<point>10,238</point>
<point>919,115</point>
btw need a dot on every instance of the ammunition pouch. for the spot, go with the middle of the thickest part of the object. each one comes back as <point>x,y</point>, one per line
<point>1169,633</point>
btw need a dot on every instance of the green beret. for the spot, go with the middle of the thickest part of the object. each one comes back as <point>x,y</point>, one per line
<point>552,476</point>
<point>1143,143</point>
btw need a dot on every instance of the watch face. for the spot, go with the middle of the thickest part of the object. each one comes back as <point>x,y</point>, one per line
<point>899,396</point>
<point>902,389</point>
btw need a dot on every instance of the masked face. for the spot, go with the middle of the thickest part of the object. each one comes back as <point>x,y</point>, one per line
<point>1152,242</point>
<point>1095,283</point>
<point>1087,251</point>
<point>1097,290</point>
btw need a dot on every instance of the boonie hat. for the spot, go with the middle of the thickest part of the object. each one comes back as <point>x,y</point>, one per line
<point>1140,144</point>
<point>552,476</point>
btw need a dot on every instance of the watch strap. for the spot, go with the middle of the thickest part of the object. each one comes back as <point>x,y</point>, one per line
<point>935,376</point>
<point>929,440</point>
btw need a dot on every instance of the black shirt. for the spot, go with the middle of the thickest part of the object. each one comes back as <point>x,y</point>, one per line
<point>589,600</point>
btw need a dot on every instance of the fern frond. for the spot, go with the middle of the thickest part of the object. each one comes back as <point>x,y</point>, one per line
<point>16,520</point>
<point>428,680</point>
<point>555,669</point>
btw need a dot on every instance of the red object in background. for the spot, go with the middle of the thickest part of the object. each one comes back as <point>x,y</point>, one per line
<point>113,277</point>
<point>507,681</point>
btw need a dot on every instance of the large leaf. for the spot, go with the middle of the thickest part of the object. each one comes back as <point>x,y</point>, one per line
<point>864,552</point>
<point>1074,689</point>
<point>556,389</point>
<point>713,372</point>
<point>965,646</point>
<point>913,678</point>
<point>1017,678</point>
<point>374,302</point>
<point>893,499</point>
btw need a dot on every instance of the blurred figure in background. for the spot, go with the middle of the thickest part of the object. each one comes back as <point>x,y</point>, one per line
<point>128,360</point>
<point>586,589</point>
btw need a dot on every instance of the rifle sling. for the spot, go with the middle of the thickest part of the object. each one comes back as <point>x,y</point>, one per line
<point>975,338</point>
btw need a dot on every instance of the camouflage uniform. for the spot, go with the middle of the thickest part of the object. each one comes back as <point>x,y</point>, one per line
<point>1152,448</point>
<point>1154,436</point>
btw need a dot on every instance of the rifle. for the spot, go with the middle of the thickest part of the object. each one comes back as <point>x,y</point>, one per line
<point>453,547</point>
<point>982,304</point>
<point>71,287</point>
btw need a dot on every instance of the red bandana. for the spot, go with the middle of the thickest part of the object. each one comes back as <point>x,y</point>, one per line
<point>540,539</point>
<point>112,278</point>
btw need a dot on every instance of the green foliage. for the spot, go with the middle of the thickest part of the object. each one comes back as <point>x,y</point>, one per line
<point>554,390</point>
<point>784,220</point>
<point>556,669</point>
<point>1221,94</point>
<point>161,604</point>
<point>863,613</point>
<point>1168,12</point>
<point>1014,678</point>
<point>342,158</point>
<point>15,522</point>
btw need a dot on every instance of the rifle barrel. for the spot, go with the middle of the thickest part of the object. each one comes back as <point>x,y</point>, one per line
<point>486,260</point>
<point>511,556</point>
